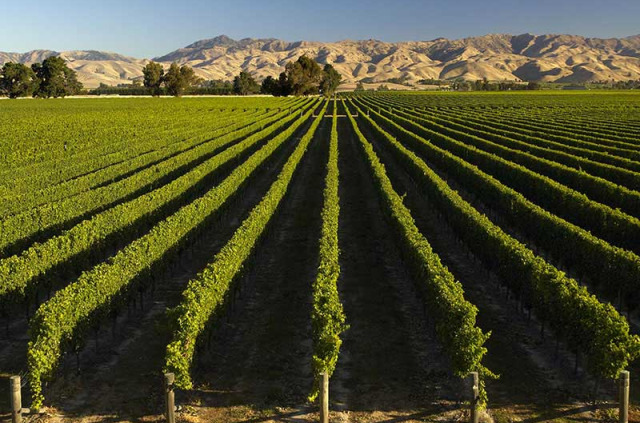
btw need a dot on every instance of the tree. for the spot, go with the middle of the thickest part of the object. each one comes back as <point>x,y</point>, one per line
<point>217,86</point>
<point>179,78</point>
<point>533,86</point>
<point>270,86</point>
<point>17,80</point>
<point>55,78</point>
<point>276,87</point>
<point>244,84</point>
<point>304,76</point>
<point>153,77</point>
<point>330,80</point>
<point>284,85</point>
<point>188,77</point>
<point>359,86</point>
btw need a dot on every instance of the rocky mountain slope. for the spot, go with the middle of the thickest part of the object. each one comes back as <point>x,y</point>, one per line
<point>561,58</point>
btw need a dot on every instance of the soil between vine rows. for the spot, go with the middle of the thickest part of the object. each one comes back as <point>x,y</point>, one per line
<point>260,358</point>
<point>390,361</point>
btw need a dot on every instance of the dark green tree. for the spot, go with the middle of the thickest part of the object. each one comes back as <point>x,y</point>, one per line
<point>330,80</point>
<point>244,84</point>
<point>217,86</point>
<point>17,80</point>
<point>359,86</point>
<point>55,78</point>
<point>270,86</point>
<point>189,77</point>
<point>304,76</point>
<point>284,85</point>
<point>533,85</point>
<point>153,76</point>
<point>179,78</point>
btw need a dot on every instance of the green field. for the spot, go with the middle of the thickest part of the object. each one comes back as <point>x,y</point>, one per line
<point>396,240</point>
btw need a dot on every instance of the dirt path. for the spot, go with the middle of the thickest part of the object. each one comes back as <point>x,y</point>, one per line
<point>121,378</point>
<point>260,359</point>
<point>532,379</point>
<point>390,362</point>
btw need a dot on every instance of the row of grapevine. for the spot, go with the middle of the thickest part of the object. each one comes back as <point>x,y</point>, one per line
<point>41,140</point>
<point>629,178</point>
<point>494,121</point>
<point>327,317</point>
<point>454,316</point>
<point>520,116</point>
<point>577,130</point>
<point>21,274</point>
<point>34,142</point>
<point>614,271</point>
<point>605,125</point>
<point>23,226</point>
<point>596,188</point>
<point>45,175</point>
<point>523,119</point>
<point>609,166</point>
<point>625,158</point>
<point>105,174</point>
<point>596,117</point>
<point>206,293</point>
<point>61,321</point>
<point>588,326</point>
<point>605,222</point>
<point>600,109</point>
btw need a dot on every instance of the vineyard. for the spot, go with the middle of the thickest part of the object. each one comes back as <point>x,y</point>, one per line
<point>395,242</point>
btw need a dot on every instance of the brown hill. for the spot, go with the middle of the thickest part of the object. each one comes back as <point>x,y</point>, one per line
<point>563,58</point>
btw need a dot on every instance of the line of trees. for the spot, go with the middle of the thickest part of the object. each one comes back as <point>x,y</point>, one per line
<point>302,77</point>
<point>630,84</point>
<point>486,85</point>
<point>176,80</point>
<point>381,87</point>
<point>51,78</point>
<point>209,87</point>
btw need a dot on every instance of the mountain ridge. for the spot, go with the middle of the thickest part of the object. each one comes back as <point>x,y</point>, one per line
<point>528,57</point>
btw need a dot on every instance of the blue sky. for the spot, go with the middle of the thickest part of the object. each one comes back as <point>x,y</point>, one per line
<point>146,28</point>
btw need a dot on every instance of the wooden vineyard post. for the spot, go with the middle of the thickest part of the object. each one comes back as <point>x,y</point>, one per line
<point>475,394</point>
<point>16,399</point>
<point>324,398</point>
<point>170,401</point>
<point>623,391</point>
